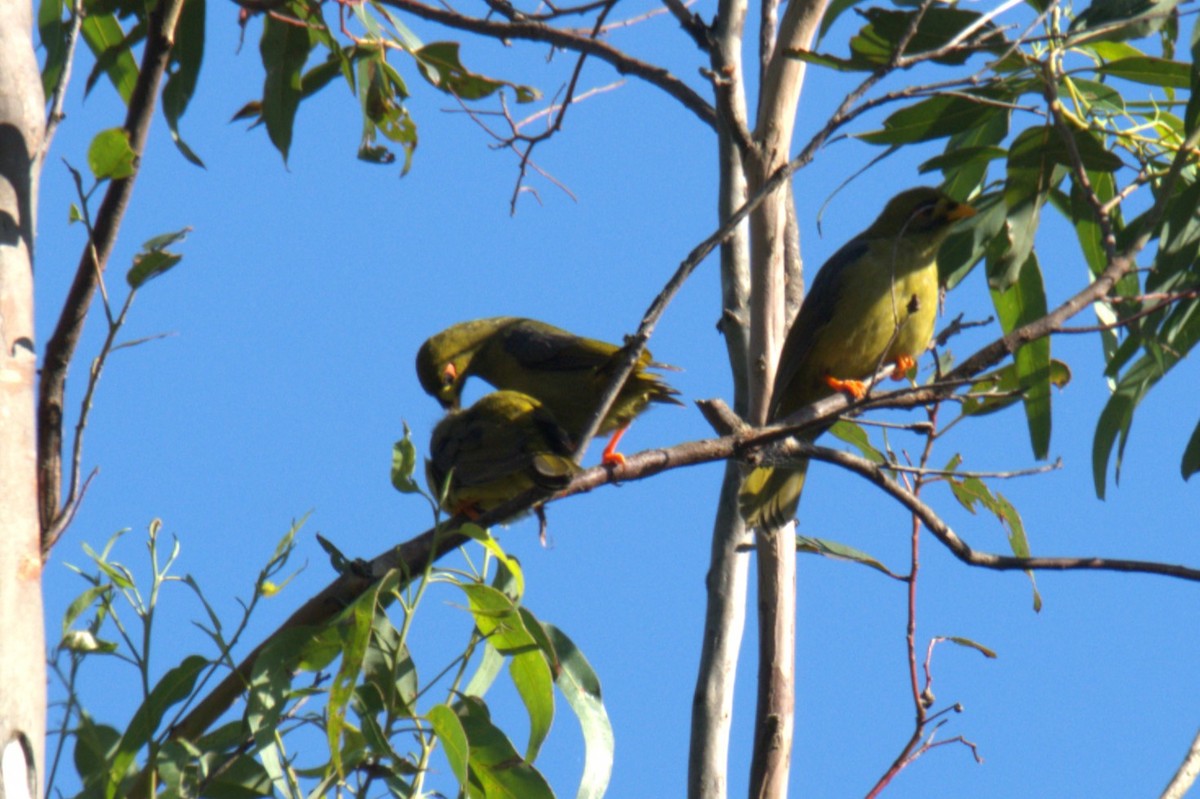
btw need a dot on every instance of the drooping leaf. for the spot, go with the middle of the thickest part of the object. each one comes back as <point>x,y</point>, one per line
<point>440,64</point>
<point>114,56</point>
<point>52,33</point>
<point>493,761</point>
<point>838,551</point>
<point>1005,383</point>
<point>1191,455</point>
<point>453,737</point>
<point>969,644</point>
<point>1023,302</point>
<point>183,70</point>
<point>971,239</point>
<point>854,435</point>
<point>284,48</point>
<point>580,686</point>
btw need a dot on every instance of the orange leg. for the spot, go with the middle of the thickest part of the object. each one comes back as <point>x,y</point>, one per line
<point>611,457</point>
<point>855,388</point>
<point>903,364</point>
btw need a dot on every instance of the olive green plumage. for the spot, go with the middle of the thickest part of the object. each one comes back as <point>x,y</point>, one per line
<point>567,373</point>
<point>873,302</point>
<point>499,448</point>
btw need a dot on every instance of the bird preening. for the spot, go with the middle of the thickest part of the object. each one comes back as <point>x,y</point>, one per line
<point>874,302</point>
<point>562,374</point>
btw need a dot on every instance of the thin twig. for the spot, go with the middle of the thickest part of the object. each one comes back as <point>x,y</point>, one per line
<point>60,348</point>
<point>58,97</point>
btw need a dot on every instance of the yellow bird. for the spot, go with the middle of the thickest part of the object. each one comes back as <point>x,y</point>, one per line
<point>499,448</point>
<point>874,302</point>
<point>567,373</point>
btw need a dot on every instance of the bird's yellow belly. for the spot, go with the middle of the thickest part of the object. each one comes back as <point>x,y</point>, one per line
<point>879,325</point>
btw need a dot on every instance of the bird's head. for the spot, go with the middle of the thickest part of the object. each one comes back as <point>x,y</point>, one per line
<point>441,377</point>
<point>922,211</point>
<point>444,360</point>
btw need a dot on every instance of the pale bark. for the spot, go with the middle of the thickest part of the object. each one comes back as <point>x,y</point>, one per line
<point>22,647</point>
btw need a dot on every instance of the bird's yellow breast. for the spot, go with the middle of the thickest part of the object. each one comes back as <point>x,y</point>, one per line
<point>881,314</point>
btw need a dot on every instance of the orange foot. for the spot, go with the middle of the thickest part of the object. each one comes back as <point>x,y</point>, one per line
<point>469,509</point>
<point>903,364</point>
<point>855,388</point>
<point>611,457</point>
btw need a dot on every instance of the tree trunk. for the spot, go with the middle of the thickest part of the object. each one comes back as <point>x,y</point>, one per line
<point>22,647</point>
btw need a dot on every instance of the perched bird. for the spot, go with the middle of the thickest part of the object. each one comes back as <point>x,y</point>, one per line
<point>499,448</point>
<point>567,373</point>
<point>873,302</point>
<point>1120,20</point>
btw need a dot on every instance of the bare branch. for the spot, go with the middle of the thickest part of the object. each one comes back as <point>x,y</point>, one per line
<point>576,42</point>
<point>1185,777</point>
<point>59,95</point>
<point>61,346</point>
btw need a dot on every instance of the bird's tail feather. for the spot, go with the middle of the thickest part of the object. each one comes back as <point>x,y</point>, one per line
<point>771,494</point>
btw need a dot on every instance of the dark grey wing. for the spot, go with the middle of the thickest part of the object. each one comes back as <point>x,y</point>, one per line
<point>543,347</point>
<point>815,313</point>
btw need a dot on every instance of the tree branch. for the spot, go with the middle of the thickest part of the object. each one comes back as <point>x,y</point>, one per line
<point>567,40</point>
<point>61,346</point>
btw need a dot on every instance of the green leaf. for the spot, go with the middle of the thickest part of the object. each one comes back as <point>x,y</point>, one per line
<point>1149,71</point>
<point>109,156</point>
<point>1117,417</point>
<point>404,464</point>
<point>486,672</point>
<point>510,566</point>
<point>1021,303</point>
<point>1018,542</point>
<point>440,64</point>
<point>1004,381</point>
<point>154,259</point>
<point>934,118</point>
<point>531,677</point>
<point>108,44</point>
<point>832,12</point>
<point>389,681</point>
<point>497,619</point>
<point>183,70</point>
<point>354,628</point>
<point>1034,168</point>
<point>969,644</point>
<point>832,549</point>
<point>1191,455</point>
<point>284,47</point>
<point>81,603</point>
<point>958,157</point>
<point>878,41</point>
<point>453,738</point>
<point>1097,95</point>
<point>969,242</point>
<point>95,745</point>
<point>581,688</point>
<point>52,33</point>
<point>854,435</point>
<point>174,687</point>
<point>381,93</point>
<point>494,764</point>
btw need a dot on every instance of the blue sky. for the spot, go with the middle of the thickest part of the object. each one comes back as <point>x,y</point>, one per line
<point>295,316</point>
